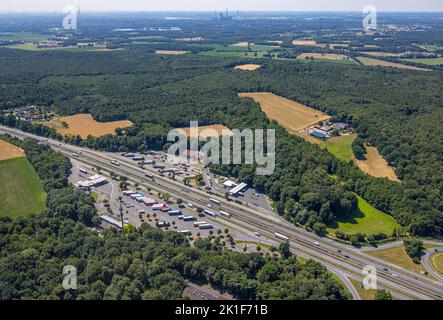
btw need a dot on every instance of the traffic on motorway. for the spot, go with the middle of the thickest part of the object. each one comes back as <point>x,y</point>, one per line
<point>338,257</point>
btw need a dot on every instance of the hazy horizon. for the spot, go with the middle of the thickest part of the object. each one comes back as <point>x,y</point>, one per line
<point>52,6</point>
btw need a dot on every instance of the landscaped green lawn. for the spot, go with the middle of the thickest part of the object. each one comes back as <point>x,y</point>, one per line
<point>368,220</point>
<point>21,191</point>
<point>341,147</point>
<point>427,61</point>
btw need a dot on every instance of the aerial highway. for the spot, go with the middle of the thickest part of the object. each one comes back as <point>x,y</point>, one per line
<point>344,260</point>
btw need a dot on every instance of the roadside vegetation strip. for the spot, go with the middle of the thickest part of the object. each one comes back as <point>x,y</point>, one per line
<point>292,115</point>
<point>9,151</point>
<point>21,191</point>
<point>84,125</point>
<point>437,262</point>
<point>367,220</point>
<point>381,63</point>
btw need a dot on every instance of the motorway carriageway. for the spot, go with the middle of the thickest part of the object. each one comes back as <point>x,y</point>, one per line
<point>407,288</point>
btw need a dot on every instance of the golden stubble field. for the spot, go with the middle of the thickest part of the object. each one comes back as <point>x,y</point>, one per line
<point>9,151</point>
<point>248,67</point>
<point>292,115</point>
<point>84,125</point>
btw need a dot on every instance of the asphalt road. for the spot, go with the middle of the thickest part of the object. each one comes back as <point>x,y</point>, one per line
<point>350,261</point>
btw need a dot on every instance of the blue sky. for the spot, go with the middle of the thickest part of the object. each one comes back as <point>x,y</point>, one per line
<point>209,5</point>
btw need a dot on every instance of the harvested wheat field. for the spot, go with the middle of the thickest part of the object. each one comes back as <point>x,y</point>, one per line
<point>9,151</point>
<point>328,56</point>
<point>292,115</point>
<point>84,125</point>
<point>375,165</point>
<point>308,43</point>
<point>375,62</point>
<point>248,67</point>
<point>171,52</point>
<point>215,130</point>
<point>338,45</point>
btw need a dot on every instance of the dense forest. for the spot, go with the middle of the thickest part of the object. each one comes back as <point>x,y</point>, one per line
<point>395,110</point>
<point>143,264</point>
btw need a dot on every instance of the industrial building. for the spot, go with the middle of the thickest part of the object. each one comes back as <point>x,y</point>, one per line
<point>237,189</point>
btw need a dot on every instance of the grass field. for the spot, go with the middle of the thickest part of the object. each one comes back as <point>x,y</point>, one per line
<point>399,257</point>
<point>84,125</point>
<point>427,61</point>
<point>21,191</point>
<point>367,219</point>
<point>376,166</point>
<point>248,67</point>
<point>292,115</point>
<point>215,130</point>
<point>9,151</point>
<point>437,262</point>
<point>376,62</point>
<point>341,146</point>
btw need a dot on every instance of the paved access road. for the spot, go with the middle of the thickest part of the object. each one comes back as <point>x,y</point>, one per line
<point>339,258</point>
